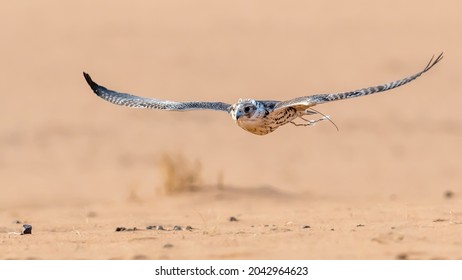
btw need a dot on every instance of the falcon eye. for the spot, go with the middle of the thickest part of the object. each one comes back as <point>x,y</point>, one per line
<point>246,109</point>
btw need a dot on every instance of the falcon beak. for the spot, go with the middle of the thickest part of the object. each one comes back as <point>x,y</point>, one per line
<point>238,115</point>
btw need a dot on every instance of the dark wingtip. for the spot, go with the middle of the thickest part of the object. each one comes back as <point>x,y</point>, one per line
<point>433,61</point>
<point>97,89</point>
<point>94,86</point>
<point>439,57</point>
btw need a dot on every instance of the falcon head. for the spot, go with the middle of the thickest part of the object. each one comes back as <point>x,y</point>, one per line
<point>250,114</point>
<point>247,110</point>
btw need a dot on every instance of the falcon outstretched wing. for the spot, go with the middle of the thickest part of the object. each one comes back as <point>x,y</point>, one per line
<point>309,101</point>
<point>151,103</point>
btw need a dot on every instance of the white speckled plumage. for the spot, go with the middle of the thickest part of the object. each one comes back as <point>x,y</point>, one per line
<point>256,116</point>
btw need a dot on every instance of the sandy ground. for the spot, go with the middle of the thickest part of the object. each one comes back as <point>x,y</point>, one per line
<point>388,185</point>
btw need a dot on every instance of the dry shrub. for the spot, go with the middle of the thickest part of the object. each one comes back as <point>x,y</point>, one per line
<point>179,174</point>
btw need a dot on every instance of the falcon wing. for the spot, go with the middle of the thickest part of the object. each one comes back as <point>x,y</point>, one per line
<point>151,103</point>
<point>309,101</point>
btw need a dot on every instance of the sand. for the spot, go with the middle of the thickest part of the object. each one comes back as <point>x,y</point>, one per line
<point>387,185</point>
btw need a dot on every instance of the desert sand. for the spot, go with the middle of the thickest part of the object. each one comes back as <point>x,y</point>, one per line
<point>387,185</point>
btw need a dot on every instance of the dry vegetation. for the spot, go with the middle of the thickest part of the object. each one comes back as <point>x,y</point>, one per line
<point>179,174</point>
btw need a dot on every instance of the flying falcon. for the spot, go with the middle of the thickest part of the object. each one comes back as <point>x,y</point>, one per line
<point>256,116</point>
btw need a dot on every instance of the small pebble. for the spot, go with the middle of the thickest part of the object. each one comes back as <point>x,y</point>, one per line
<point>306,226</point>
<point>26,229</point>
<point>189,228</point>
<point>160,228</point>
<point>132,229</point>
<point>151,227</point>
<point>121,229</point>
<point>332,229</point>
<point>177,228</point>
<point>233,219</point>
<point>91,214</point>
<point>359,225</point>
<point>140,257</point>
<point>168,245</point>
<point>402,256</point>
<point>449,194</point>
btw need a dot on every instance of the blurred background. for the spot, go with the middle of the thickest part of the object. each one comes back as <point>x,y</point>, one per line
<point>61,145</point>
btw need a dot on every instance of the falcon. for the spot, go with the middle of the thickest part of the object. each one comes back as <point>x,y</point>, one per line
<point>259,117</point>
